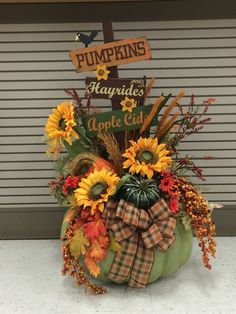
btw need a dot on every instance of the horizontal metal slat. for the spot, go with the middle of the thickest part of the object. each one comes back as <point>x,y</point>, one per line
<point>171,44</point>
<point>194,140</point>
<point>219,81</point>
<point>17,165</point>
<point>60,94</point>
<point>24,191</point>
<point>221,101</point>
<point>69,35</point>
<point>27,174</point>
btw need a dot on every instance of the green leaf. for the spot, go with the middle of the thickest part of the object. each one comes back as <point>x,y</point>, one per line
<point>165,100</point>
<point>61,166</point>
<point>74,149</point>
<point>114,245</point>
<point>82,135</point>
<point>78,244</point>
<point>122,181</point>
<point>186,221</point>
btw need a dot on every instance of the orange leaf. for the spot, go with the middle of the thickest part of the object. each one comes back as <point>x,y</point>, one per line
<point>98,248</point>
<point>94,228</point>
<point>70,214</point>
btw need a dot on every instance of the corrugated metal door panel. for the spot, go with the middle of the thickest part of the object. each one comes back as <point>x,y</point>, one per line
<point>197,56</point>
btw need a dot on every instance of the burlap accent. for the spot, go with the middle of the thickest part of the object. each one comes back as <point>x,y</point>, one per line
<point>139,233</point>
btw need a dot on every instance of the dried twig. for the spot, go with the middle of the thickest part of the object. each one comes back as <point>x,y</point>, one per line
<point>112,148</point>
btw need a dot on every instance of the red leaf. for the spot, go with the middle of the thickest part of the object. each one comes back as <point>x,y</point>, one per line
<point>94,228</point>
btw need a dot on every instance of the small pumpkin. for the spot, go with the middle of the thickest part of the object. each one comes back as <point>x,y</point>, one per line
<point>85,163</point>
<point>141,192</point>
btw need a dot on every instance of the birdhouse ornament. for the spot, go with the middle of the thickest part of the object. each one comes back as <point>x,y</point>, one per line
<point>131,206</point>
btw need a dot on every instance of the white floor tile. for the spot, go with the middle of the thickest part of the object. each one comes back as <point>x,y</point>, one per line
<point>31,283</point>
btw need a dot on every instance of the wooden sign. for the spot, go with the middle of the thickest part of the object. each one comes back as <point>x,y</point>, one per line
<point>115,89</point>
<point>111,54</point>
<point>116,120</point>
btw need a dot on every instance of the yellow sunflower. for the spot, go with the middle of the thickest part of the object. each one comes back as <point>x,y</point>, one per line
<point>146,157</point>
<point>128,104</point>
<point>102,72</point>
<point>95,190</point>
<point>59,127</point>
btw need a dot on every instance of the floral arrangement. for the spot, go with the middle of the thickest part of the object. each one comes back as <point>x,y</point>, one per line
<point>129,199</point>
<point>131,205</point>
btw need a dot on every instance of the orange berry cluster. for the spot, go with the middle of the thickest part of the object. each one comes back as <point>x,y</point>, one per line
<point>73,266</point>
<point>196,206</point>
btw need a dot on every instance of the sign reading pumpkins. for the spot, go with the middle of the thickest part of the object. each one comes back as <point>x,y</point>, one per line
<point>111,54</point>
<point>116,120</point>
<point>115,89</point>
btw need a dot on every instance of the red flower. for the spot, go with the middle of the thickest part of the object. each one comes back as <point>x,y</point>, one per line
<point>166,184</point>
<point>174,205</point>
<point>70,183</point>
<point>166,173</point>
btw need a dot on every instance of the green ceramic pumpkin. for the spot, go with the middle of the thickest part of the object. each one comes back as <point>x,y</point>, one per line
<point>165,263</point>
<point>141,192</point>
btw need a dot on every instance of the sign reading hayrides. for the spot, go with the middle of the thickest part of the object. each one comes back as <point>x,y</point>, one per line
<point>115,89</point>
<point>111,54</point>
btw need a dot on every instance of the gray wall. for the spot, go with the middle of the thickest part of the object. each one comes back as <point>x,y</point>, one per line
<point>197,56</point>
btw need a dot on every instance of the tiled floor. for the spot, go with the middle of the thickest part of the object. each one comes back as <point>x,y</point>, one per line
<point>31,283</point>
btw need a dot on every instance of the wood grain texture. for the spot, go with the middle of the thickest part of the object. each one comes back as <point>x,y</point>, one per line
<point>111,54</point>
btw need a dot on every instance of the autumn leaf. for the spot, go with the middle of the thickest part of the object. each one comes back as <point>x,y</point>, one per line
<point>98,249</point>
<point>94,228</point>
<point>93,268</point>
<point>70,214</point>
<point>186,221</point>
<point>114,245</point>
<point>78,243</point>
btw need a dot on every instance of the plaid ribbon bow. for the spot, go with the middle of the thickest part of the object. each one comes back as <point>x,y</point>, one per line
<point>139,233</point>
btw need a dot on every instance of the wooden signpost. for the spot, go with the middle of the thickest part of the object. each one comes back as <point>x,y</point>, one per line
<point>115,89</point>
<point>116,120</point>
<point>111,54</point>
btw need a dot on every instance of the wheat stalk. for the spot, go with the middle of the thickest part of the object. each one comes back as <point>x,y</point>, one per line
<point>112,148</point>
<point>148,90</point>
<point>169,108</point>
<point>165,127</point>
<point>151,115</point>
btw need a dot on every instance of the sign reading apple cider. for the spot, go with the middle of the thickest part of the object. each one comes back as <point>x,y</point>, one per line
<point>115,120</point>
<point>115,89</point>
<point>111,54</point>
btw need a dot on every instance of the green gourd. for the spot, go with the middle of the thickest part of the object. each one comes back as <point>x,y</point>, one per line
<point>165,263</point>
<point>141,192</point>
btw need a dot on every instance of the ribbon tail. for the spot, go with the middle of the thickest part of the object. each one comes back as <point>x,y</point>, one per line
<point>141,267</point>
<point>124,259</point>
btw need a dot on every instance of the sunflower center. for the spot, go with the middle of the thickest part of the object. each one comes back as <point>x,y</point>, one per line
<point>62,124</point>
<point>128,103</point>
<point>146,156</point>
<point>97,189</point>
<point>100,72</point>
